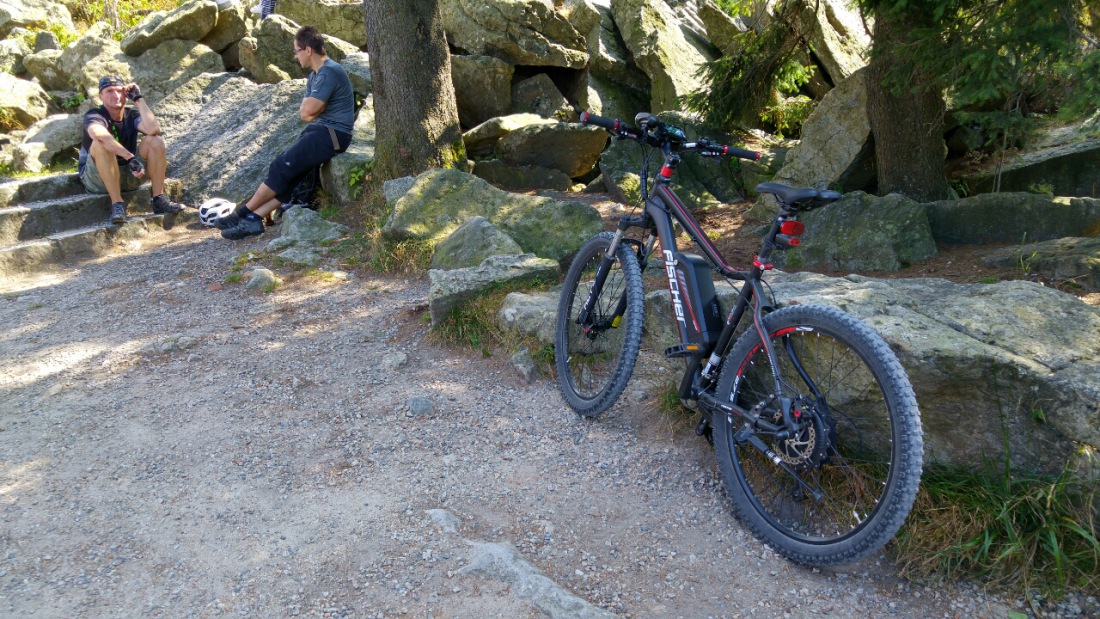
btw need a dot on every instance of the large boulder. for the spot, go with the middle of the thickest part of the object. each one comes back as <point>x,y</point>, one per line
<point>985,356</point>
<point>610,60</point>
<point>539,95</point>
<point>335,18</point>
<point>357,66</point>
<point>43,66</point>
<point>604,97</point>
<point>92,56</point>
<point>223,131</point>
<point>12,53</point>
<point>835,147</point>
<point>520,32</point>
<point>1071,262</point>
<point>191,21</point>
<point>1064,170</point>
<point>482,139</point>
<point>449,289</point>
<point>267,53</point>
<point>722,30</point>
<point>482,88</point>
<point>837,35</point>
<point>22,103</point>
<point>699,182</point>
<point>172,64</point>
<point>569,147</point>
<point>442,200</point>
<point>471,243</point>
<point>661,49</point>
<point>862,232</point>
<point>344,175</point>
<point>521,177</point>
<point>46,140</point>
<point>33,14</point>
<point>1012,218</point>
<point>231,26</point>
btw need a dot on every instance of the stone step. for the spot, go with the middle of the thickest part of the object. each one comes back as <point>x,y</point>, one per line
<point>34,220</point>
<point>39,189</point>
<point>83,243</point>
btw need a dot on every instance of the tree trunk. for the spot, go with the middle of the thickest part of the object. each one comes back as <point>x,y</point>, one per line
<point>415,112</point>
<point>907,121</point>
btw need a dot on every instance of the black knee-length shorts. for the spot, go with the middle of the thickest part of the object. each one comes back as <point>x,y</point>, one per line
<point>315,146</point>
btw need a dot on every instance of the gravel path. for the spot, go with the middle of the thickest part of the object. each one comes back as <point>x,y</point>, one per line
<point>174,447</point>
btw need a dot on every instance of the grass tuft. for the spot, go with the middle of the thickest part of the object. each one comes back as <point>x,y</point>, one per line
<point>1015,531</point>
<point>474,326</point>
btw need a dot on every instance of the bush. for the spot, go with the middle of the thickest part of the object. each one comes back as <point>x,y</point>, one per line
<point>120,14</point>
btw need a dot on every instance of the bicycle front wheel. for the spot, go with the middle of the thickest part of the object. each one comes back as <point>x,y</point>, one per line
<point>839,488</point>
<point>595,358</point>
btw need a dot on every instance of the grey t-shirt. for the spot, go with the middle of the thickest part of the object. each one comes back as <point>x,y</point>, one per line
<point>331,85</point>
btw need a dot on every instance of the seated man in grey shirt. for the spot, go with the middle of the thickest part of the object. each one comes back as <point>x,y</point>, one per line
<point>329,108</point>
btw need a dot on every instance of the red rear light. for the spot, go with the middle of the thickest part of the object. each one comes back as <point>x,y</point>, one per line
<point>792,228</point>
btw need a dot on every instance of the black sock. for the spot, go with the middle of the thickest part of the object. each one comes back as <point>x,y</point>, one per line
<point>245,213</point>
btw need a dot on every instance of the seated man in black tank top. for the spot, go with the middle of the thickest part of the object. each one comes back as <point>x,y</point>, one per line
<point>111,158</point>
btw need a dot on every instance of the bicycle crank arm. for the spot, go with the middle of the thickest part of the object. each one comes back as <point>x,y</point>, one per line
<point>746,435</point>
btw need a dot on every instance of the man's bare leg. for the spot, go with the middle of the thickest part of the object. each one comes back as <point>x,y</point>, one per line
<point>152,150</point>
<point>107,166</point>
<point>263,196</point>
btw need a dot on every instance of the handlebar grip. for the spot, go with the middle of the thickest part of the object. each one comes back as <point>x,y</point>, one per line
<point>743,154</point>
<point>611,124</point>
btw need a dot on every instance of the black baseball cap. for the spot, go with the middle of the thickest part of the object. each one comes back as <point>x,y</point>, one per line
<point>110,80</point>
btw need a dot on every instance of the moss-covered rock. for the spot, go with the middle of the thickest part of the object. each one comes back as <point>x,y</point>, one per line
<point>862,233</point>
<point>471,244</point>
<point>439,201</point>
<point>1072,261</point>
<point>192,21</point>
<point>1012,218</point>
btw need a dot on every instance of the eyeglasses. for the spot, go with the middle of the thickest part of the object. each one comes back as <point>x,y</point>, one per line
<point>299,50</point>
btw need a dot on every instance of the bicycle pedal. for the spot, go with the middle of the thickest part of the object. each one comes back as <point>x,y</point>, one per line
<point>681,350</point>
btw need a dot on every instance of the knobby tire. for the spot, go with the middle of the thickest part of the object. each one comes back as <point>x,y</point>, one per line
<point>593,369</point>
<point>869,476</point>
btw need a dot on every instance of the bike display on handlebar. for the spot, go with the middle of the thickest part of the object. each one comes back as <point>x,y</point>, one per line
<point>814,422</point>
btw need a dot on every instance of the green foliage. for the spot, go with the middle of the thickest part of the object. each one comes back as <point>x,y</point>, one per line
<point>1004,60</point>
<point>70,102</point>
<point>120,14</point>
<point>8,121</point>
<point>371,249</point>
<point>740,89</point>
<point>357,177</point>
<point>787,116</point>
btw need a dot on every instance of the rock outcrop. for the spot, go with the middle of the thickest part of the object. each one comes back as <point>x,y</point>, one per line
<point>442,200</point>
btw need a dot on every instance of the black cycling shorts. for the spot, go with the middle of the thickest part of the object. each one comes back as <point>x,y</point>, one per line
<point>315,146</point>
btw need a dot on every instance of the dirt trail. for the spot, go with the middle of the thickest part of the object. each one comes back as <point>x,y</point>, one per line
<point>172,446</point>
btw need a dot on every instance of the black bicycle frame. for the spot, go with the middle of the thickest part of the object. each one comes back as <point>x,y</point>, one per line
<point>662,207</point>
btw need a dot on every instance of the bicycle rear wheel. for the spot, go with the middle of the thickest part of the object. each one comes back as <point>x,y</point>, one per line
<point>860,446</point>
<point>595,359</point>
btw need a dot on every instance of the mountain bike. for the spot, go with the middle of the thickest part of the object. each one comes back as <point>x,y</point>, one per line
<point>812,417</point>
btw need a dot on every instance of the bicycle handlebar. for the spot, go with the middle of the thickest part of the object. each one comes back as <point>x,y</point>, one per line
<point>704,146</point>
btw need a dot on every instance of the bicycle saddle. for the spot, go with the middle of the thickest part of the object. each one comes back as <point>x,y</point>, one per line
<point>799,197</point>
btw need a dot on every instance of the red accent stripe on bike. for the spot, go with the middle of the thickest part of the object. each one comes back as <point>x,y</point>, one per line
<point>783,332</point>
<point>687,302</point>
<point>699,234</point>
